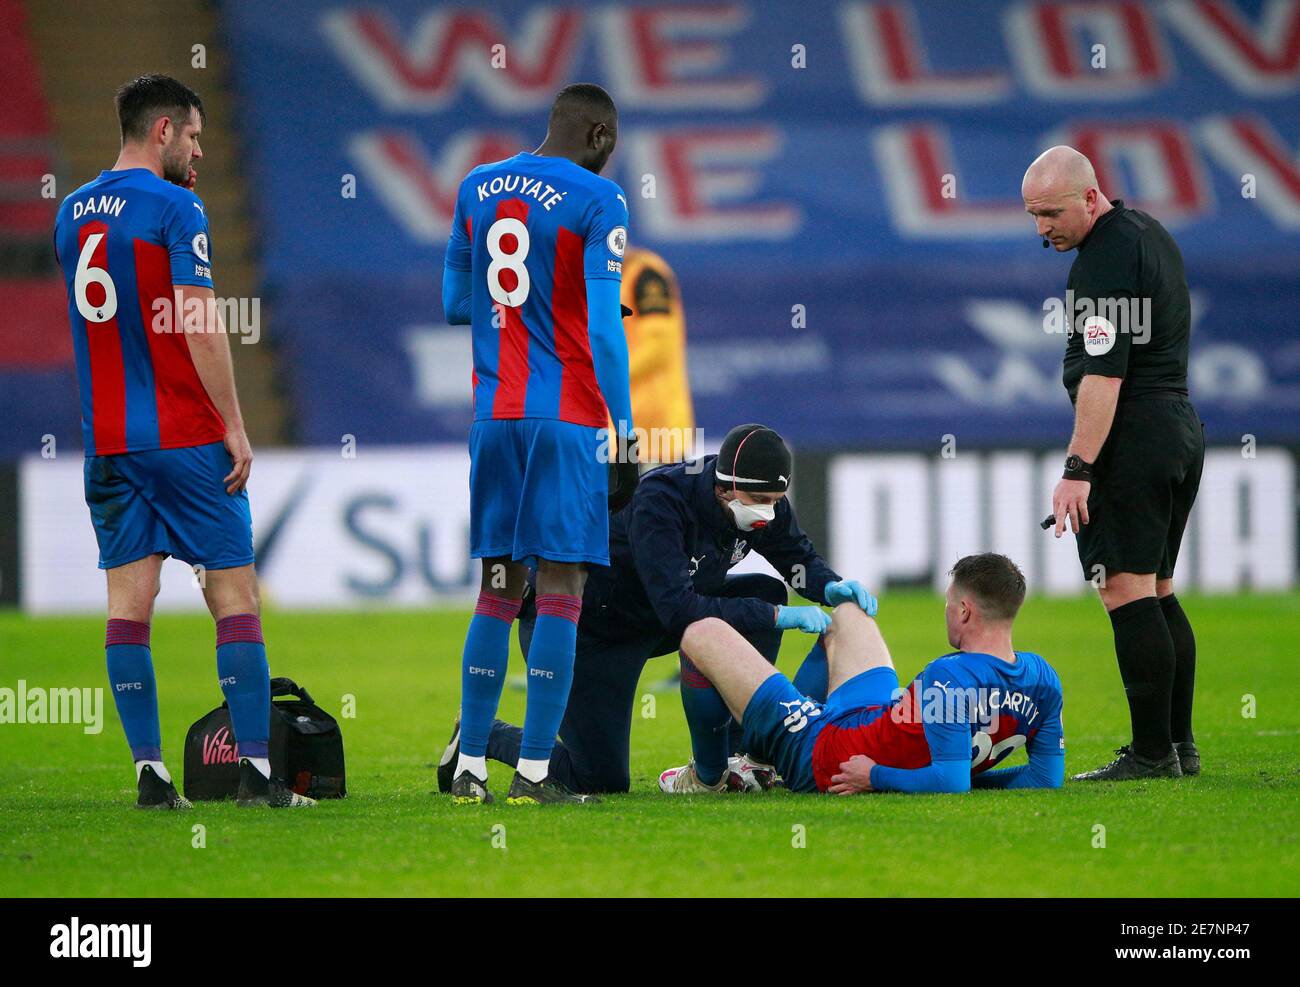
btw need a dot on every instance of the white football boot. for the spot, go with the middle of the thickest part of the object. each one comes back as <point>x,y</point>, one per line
<point>684,781</point>
<point>754,775</point>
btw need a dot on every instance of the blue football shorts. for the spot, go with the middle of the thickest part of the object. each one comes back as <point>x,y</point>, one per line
<point>169,501</point>
<point>781,724</point>
<point>538,489</point>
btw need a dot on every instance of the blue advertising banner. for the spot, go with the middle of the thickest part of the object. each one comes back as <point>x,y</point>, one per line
<point>836,186</point>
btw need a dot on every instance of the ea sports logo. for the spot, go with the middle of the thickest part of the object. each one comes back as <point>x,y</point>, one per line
<point>1098,335</point>
<point>617,241</point>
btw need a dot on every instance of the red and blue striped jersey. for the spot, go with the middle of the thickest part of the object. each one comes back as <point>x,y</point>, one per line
<point>531,230</point>
<point>124,240</point>
<point>966,706</point>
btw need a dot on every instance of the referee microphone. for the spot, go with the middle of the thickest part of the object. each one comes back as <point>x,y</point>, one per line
<point>1046,243</point>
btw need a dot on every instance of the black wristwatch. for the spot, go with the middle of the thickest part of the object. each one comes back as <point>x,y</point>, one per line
<point>1076,469</point>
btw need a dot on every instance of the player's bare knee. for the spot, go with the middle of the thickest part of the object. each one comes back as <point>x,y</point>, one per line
<point>503,577</point>
<point>130,603</point>
<point>230,592</point>
<point>565,578</point>
<point>140,611</point>
<point>1119,588</point>
<point>701,638</point>
<point>692,637</point>
<point>234,606</point>
<point>848,615</point>
<point>845,617</point>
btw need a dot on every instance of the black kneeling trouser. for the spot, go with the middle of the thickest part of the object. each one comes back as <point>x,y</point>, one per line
<point>593,753</point>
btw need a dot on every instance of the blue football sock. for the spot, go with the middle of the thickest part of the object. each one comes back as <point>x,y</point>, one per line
<point>707,718</point>
<point>813,676</point>
<point>483,669</point>
<point>550,672</point>
<point>246,682</point>
<point>130,673</point>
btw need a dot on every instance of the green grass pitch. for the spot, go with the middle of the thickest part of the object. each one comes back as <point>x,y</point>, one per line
<point>67,826</point>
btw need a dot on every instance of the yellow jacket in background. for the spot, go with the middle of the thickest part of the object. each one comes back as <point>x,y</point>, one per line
<point>656,346</point>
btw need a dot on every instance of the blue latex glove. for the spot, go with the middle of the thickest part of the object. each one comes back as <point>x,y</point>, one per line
<point>813,620</point>
<point>851,591</point>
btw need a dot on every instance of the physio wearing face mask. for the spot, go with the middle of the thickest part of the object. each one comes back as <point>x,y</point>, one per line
<point>752,472</point>
<point>672,550</point>
<point>747,517</point>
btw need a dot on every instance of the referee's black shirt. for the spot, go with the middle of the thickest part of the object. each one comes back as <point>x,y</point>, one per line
<point>1127,257</point>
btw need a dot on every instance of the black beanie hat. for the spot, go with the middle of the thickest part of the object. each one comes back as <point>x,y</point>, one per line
<point>753,458</point>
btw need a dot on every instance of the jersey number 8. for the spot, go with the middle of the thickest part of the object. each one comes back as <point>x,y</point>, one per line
<point>511,261</point>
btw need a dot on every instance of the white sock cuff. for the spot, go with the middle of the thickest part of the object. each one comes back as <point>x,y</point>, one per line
<point>534,770</point>
<point>159,769</point>
<point>477,766</point>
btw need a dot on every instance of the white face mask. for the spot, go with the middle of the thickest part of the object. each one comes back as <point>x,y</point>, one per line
<point>751,516</point>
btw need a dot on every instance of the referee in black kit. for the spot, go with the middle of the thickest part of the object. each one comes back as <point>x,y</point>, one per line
<point>1134,460</point>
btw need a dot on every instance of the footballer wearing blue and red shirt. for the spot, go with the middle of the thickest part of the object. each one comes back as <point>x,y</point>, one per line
<point>534,264</point>
<point>946,732</point>
<point>167,458</point>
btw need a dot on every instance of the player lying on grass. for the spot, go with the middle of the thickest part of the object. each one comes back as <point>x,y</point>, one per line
<point>671,555</point>
<point>962,715</point>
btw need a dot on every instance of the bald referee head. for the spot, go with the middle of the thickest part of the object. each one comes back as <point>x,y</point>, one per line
<point>1060,192</point>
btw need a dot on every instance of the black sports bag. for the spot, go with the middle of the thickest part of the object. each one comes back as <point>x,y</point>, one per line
<point>306,749</point>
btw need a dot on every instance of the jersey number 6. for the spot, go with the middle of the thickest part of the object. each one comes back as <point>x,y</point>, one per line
<point>508,261</point>
<point>86,276</point>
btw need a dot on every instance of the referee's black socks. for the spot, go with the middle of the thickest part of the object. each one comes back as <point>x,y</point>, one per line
<point>1145,651</point>
<point>1180,629</point>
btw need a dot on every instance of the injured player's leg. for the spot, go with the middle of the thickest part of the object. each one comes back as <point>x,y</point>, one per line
<point>854,644</point>
<point>731,663</point>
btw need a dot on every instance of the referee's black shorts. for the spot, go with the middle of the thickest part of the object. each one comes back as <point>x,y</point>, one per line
<point>1143,487</point>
